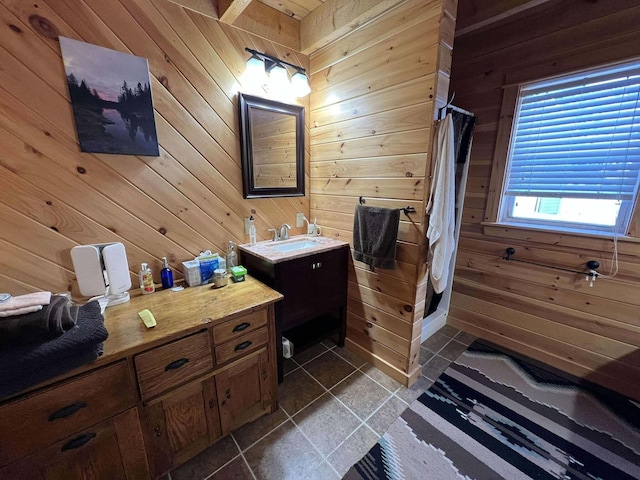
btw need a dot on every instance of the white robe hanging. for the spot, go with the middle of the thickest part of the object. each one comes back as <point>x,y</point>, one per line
<point>441,206</point>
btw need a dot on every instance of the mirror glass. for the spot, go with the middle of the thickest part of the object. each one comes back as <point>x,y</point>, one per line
<point>272,140</point>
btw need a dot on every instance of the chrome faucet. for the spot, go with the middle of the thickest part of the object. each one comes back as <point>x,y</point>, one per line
<point>284,231</point>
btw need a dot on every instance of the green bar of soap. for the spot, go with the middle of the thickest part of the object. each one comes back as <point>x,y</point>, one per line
<point>238,273</point>
<point>239,270</point>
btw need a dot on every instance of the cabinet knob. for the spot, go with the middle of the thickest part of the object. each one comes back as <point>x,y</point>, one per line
<point>243,345</point>
<point>241,327</point>
<point>78,441</point>
<point>369,324</point>
<point>176,364</point>
<point>67,411</point>
<point>212,404</point>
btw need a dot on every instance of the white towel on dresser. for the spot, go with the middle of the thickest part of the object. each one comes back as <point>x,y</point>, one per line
<point>441,206</point>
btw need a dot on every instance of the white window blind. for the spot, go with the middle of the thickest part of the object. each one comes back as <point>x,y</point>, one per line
<point>578,137</point>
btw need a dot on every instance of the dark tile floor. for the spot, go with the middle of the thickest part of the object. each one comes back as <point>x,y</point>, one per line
<point>334,407</point>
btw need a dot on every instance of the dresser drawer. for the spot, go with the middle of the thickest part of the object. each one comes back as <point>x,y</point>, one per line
<point>241,345</point>
<point>239,326</point>
<point>53,414</point>
<point>167,366</point>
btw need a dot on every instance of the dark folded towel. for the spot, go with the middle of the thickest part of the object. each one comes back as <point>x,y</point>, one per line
<point>375,232</point>
<point>50,322</point>
<point>25,365</point>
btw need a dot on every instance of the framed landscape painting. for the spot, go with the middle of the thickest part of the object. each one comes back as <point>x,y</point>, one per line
<point>111,98</point>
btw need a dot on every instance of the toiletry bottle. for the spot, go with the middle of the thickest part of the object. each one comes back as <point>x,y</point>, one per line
<point>232,256</point>
<point>252,231</point>
<point>146,280</point>
<point>166,274</point>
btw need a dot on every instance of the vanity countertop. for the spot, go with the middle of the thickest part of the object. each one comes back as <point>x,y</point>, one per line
<point>179,313</point>
<point>266,251</point>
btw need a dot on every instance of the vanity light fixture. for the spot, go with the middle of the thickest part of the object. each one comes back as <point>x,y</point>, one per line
<point>255,70</point>
<point>265,69</point>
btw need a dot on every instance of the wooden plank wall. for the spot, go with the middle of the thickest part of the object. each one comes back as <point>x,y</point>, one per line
<point>547,314</point>
<point>188,199</point>
<point>372,110</point>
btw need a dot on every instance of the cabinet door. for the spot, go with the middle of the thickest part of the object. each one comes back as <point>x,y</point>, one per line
<point>243,391</point>
<point>112,449</point>
<point>296,283</point>
<point>180,425</point>
<point>330,280</point>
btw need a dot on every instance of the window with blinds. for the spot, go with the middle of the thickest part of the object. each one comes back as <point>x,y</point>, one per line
<point>574,158</point>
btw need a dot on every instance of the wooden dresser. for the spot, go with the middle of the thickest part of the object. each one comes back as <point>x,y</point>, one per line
<point>156,397</point>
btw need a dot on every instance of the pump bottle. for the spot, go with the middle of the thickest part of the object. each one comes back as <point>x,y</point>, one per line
<point>166,274</point>
<point>252,231</point>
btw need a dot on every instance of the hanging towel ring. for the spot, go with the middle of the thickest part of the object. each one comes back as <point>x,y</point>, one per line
<point>441,109</point>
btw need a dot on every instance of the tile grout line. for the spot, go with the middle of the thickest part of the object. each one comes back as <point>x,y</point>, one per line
<point>324,459</point>
<point>362,422</point>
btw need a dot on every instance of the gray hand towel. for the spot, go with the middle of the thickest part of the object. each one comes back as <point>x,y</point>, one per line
<point>375,232</point>
<point>51,321</point>
<point>27,364</point>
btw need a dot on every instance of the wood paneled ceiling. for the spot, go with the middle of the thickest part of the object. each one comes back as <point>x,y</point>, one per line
<point>297,9</point>
<point>302,25</point>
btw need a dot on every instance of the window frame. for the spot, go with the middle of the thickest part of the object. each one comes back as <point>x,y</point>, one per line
<point>508,112</point>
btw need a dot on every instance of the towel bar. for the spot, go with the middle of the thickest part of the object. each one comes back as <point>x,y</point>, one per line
<point>406,210</point>
<point>592,265</point>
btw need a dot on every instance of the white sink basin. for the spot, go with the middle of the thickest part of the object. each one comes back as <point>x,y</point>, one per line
<point>292,246</point>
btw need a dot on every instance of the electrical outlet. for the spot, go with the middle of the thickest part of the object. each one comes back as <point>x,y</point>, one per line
<point>247,223</point>
<point>299,219</point>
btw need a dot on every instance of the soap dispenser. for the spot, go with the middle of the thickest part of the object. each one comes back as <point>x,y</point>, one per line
<point>252,231</point>
<point>166,274</point>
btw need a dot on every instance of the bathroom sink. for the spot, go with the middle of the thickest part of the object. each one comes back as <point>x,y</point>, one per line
<point>292,246</point>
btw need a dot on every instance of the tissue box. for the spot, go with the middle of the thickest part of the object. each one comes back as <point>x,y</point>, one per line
<point>191,271</point>
<point>238,273</point>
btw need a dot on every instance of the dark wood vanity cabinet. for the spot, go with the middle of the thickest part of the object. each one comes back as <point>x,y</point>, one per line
<point>315,296</point>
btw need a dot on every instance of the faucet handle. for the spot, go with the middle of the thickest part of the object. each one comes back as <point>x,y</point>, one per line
<point>275,234</point>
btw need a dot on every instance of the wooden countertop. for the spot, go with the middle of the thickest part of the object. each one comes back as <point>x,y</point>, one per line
<point>179,313</point>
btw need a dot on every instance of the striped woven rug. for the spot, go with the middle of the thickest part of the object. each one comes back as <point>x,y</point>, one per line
<point>495,415</point>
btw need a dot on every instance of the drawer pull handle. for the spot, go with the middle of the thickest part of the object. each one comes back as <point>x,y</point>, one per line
<point>176,364</point>
<point>241,327</point>
<point>369,324</point>
<point>243,345</point>
<point>67,411</point>
<point>78,441</point>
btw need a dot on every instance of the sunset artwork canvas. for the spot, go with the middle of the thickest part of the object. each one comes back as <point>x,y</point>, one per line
<point>111,98</point>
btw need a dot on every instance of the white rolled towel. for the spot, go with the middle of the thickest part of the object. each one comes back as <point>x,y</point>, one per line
<point>31,302</point>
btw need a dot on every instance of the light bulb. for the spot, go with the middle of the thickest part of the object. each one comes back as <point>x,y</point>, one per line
<point>255,73</point>
<point>279,80</point>
<point>300,84</point>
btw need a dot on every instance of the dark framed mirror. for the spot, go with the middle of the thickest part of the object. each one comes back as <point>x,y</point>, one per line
<point>272,143</point>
